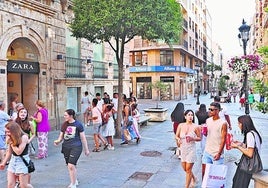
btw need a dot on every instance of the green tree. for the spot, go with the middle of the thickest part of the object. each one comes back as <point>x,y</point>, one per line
<point>118,21</point>
<point>222,85</point>
<point>159,86</point>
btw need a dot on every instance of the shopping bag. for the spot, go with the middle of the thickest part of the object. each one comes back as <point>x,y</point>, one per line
<point>215,176</point>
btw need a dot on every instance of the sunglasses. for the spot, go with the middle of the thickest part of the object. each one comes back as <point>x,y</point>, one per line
<point>212,109</point>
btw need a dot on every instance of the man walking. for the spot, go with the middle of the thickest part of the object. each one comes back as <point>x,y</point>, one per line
<point>216,136</point>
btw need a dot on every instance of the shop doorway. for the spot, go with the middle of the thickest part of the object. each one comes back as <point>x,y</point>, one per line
<point>23,72</point>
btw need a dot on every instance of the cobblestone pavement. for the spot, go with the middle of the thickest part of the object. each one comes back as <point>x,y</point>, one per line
<point>150,164</point>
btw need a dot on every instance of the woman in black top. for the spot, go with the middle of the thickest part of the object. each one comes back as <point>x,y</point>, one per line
<point>17,142</point>
<point>177,116</point>
<point>202,116</point>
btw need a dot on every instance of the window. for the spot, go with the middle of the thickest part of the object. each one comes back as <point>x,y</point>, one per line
<point>140,58</point>
<point>183,60</point>
<point>73,61</point>
<point>73,99</point>
<point>166,57</point>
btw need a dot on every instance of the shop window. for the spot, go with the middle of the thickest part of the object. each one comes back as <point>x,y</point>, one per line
<point>166,57</point>
<point>143,87</point>
<point>73,98</point>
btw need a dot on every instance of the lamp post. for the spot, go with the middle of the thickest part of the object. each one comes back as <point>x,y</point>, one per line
<point>197,68</point>
<point>244,36</point>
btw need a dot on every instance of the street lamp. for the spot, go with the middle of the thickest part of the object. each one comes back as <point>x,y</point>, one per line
<point>197,68</point>
<point>244,36</point>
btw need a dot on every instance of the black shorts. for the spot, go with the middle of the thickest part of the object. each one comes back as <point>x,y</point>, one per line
<point>71,155</point>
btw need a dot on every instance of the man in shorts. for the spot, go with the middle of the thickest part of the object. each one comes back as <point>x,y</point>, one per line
<point>216,136</point>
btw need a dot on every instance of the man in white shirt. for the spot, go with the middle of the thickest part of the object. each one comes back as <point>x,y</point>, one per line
<point>100,101</point>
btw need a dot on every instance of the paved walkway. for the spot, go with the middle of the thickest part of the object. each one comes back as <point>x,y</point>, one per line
<point>127,167</point>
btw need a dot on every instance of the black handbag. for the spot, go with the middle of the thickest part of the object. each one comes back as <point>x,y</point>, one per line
<point>251,165</point>
<point>30,165</point>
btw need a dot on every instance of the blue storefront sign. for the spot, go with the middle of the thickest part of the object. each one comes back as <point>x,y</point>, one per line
<point>161,69</point>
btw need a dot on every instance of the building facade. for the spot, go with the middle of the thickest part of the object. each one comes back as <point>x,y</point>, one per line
<point>259,35</point>
<point>156,61</point>
<point>39,59</point>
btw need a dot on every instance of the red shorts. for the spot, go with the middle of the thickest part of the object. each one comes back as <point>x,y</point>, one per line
<point>242,100</point>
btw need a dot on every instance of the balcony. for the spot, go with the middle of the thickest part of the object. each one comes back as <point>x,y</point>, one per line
<point>74,68</point>
<point>100,69</point>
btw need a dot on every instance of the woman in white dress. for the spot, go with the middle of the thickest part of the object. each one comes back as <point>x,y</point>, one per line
<point>187,134</point>
<point>108,128</point>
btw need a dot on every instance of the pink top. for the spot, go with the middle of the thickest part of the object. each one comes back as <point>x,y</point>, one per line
<point>44,125</point>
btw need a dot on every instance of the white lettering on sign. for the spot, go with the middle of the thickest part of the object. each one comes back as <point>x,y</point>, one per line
<point>22,66</point>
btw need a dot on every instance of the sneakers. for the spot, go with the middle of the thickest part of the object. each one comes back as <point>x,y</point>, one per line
<point>74,186</point>
<point>110,147</point>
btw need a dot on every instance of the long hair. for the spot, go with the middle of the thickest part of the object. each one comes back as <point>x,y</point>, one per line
<point>178,113</point>
<point>70,112</point>
<point>247,126</point>
<point>202,114</point>
<point>15,132</point>
<point>24,124</point>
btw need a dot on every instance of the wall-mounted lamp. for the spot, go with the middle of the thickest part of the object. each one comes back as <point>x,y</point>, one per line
<point>127,66</point>
<point>59,56</point>
<point>88,61</point>
<point>110,64</point>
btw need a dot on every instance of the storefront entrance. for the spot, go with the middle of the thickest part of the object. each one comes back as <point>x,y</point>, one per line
<point>23,73</point>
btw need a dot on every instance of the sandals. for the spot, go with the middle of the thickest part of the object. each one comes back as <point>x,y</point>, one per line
<point>106,146</point>
<point>96,150</point>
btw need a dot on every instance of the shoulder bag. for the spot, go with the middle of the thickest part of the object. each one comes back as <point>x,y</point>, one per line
<point>29,165</point>
<point>251,165</point>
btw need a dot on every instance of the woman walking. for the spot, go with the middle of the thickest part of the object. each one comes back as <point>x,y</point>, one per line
<point>202,115</point>
<point>252,139</point>
<point>108,129</point>
<point>43,127</point>
<point>17,142</point>
<point>187,134</point>
<point>85,104</point>
<point>97,125</point>
<point>74,140</point>
<point>177,117</point>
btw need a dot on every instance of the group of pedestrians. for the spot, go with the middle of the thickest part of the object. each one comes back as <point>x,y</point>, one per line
<point>17,130</point>
<point>212,129</point>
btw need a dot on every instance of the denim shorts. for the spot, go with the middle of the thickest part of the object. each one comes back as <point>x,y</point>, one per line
<point>17,166</point>
<point>96,128</point>
<point>209,159</point>
<point>2,142</point>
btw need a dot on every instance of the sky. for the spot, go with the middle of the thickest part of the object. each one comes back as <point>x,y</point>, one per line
<point>227,16</point>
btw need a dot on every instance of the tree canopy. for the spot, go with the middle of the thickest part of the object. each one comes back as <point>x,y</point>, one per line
<point>100,21</point>
<point>118,21</point>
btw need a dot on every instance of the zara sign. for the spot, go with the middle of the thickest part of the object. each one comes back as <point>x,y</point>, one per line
<point>15,66</point>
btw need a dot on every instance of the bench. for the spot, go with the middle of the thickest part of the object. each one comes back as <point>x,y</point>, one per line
<point>143,120</point>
